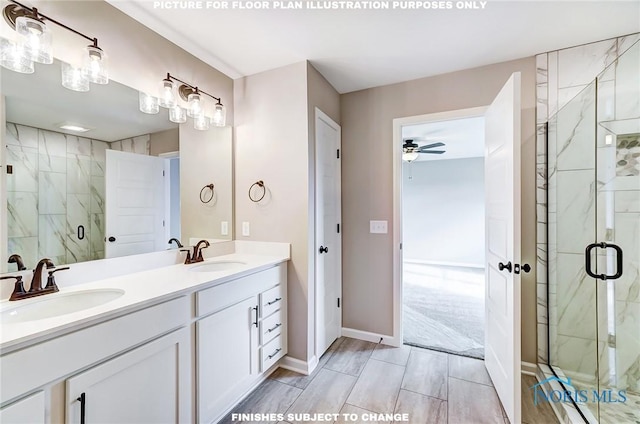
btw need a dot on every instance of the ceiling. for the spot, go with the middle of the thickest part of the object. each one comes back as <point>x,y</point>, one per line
<point>358,49</point>
<point>463,138</point>
<point>111,111</point>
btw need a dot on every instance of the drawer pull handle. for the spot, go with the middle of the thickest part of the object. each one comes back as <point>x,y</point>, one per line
<point>275,353</point>
<point>278,299</point>
<point>274,328</point>
<point>83,400</point>
<point>256,321</point>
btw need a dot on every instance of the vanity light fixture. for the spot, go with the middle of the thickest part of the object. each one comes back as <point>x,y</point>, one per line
<point>191,94</point>
<point>34,44</point>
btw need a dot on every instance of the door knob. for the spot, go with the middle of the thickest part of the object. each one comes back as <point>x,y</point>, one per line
<point>323,249</point>
<point>112,239</point>
<point>525,268</point>
<point>502,266</point>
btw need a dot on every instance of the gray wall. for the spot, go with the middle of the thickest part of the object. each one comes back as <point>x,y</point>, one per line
<point>443,211</point>
<point>367,184</point>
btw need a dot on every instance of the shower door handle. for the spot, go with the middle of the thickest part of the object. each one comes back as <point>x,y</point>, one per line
<point>587,261</point>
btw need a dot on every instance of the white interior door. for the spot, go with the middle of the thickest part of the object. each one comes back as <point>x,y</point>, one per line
<point>328,237</point>
<point>502,196</point>
<point>135,204</point>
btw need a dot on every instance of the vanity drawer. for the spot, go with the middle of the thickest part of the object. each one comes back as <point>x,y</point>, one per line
<point>271,301</point>
<point>271,352</point>
<point>271,327</point>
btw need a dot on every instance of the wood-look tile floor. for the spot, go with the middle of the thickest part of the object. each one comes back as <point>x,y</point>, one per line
<point>358,377</point>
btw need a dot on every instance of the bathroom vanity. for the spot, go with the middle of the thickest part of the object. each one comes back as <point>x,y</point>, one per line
<point>178,343</point>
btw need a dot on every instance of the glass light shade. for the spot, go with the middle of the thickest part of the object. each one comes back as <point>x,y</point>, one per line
<point>410,156</point>
<point>219,115</point>
<point>96,65</point>
<point>12,57</point>
<point>167,96</point>
<point>196,107</point>
<point>73,78</point>
<point>177,115</point>
<point>35,38</point>
<point>201,122</point>
<point>148,104</point>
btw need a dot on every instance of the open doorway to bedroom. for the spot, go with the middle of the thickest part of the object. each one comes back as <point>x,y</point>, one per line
<point>443,235</point>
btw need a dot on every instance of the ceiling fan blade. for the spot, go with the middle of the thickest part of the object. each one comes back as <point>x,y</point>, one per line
<point>429,146</point>
<point>437,152</point>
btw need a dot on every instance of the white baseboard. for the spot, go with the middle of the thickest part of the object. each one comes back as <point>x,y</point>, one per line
<point>299,366</point>
<point>443,263</point>
<point>370,337</point>
<point>528,368</point>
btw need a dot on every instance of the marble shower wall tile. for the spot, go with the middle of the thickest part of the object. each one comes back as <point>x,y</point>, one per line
<point>97,236</point>
<point>552,83</point>
<point>52,143</point>
<point>52,193</point>
<point>141,144</point>
<point>579,65</point>
<point>22,136</point>
<point>116,145</point>
<point>577,358</point>
<point>627,236</point>
<point>77,250</point>
<point>97,195</point>
<point>52,237</point>
<point>575,141</point>
<point>98,168</point>
<point>25,168</point>
<point>78,145</point>
<point>98,149</point>
<point>574,291</point>
<point>27,247</point>
<point>576,211</point>
<point>78,213</point>
<point>628,345</point>
<point>22,216</point>
<point>48,163</point>
<point>627,87</point>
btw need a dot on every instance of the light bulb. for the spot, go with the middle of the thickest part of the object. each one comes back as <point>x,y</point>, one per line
<point>219,115</point>
<point>35,38</point>
<point>167,96</point>
<point>13,58</point>
<point>195,105</point>
<point>410,156</point>
<point>148,104</point>
<point>95,65</point>
<point>74,78</point>
<point>201,122</point>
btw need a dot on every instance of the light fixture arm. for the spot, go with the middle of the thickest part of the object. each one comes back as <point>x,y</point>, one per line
<point>193,88</point>
<point>11,14</point>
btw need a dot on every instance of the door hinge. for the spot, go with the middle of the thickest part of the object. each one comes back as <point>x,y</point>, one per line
<point>9,169</point>
<point>163,222</point>
<point>163,173</point>
<point>338,302</point>
<point>611,340</point>
<point>400,246</point>
<point>338,153</point>
<point>338,225</point>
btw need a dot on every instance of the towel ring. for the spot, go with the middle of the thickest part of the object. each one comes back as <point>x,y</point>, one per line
<point>202,198</point>
<point>264,191</point>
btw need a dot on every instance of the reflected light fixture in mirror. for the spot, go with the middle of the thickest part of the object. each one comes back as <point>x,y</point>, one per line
<point>201,122</point>
<point>178,115</point>
<point>148,104</point>
<point>35,44</point>
<point>12,57</point>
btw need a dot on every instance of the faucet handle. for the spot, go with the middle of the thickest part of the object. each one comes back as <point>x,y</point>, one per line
<point>51,281</point>
<point>18,289</point>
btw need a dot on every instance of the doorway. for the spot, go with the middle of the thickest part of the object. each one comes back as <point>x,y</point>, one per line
<point>443,235</point>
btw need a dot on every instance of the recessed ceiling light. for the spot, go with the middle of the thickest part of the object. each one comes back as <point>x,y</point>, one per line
<point>73,127</point>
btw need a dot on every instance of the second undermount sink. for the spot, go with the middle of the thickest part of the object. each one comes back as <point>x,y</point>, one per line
<point>217,266</point>
<point>53,305</point>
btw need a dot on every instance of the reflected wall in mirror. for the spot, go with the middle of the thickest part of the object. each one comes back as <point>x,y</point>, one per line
<point>56,193</point>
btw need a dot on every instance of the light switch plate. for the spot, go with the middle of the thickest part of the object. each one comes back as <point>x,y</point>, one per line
<point>224,228</point>
<point>378,227</point>
<point>246,229</point>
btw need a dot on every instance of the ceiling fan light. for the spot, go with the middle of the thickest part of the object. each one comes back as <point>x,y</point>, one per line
<point>410,156</point>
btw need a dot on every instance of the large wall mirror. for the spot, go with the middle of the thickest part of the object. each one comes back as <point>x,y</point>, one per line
<point>83,171</point>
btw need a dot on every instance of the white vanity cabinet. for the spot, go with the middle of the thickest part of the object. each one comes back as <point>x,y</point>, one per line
<point>231,358</point>
<point>144,385</point>
<point>29,410</point>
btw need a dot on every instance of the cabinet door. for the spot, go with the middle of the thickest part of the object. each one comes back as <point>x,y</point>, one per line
<point>227,357</point>
<point>30,410</point>
<point>150,384</point>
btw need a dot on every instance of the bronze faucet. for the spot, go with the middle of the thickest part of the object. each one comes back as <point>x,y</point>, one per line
<point>36,288</point>
<point>197,251</point>
<point>17,259</point>
<point>173,239</point>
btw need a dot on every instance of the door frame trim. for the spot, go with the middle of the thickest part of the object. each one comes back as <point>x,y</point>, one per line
<point>319,114</point>
<point>398,123</point>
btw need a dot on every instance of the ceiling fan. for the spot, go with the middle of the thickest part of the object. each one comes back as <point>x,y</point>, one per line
<point>411,149</point>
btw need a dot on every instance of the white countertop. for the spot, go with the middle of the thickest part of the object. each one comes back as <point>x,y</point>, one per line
<point>141,289</point>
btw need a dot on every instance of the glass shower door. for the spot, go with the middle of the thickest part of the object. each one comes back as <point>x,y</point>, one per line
<point>618,224</point>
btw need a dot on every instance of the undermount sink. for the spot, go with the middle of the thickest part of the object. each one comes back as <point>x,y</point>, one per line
<point>53,305</point>
<point>217,266</point>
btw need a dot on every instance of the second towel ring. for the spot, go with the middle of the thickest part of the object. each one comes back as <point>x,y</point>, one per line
<point>210,187</point>
<point>264,191</point>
